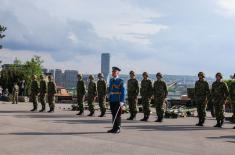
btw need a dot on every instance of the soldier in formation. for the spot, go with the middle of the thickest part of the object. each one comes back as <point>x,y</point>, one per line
<point>202,94</point>
<point>132,92</point>
<point>34,93</point>
<point>42,93</point>
<point>232,96</point>
<point>101,90</point>
<point>15,93</point>
<point>160,94</point>
<point>91,95</point>
<point>51,91</point>
<point>146,92</point>
<point>219,95</point>
<point>81,91</point>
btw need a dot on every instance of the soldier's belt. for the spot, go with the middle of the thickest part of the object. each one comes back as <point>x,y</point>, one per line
<point>115,93</point>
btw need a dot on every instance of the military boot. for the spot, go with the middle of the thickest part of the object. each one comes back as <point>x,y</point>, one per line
<point>42,110</point>
<point>51,110</point>
<point>34,109</point>
<point>80,113</point>
<point>159,119</point>
<point>221,122</point>
<point>102,114</point>
<point>131,117</point>
<point>91,113</point>
<point>145,118</point>
<point>218,125</point>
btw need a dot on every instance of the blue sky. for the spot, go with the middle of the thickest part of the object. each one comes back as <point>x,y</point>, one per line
<point>171,36</point>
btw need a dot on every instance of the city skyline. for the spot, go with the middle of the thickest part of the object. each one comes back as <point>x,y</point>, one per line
<point>172,37</point>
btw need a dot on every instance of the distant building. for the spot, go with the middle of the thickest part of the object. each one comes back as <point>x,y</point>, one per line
<point>105,64</point>
<point>59,77</point>
<point>44,71</point>
<point>70,78</point>
<point>52,72</point>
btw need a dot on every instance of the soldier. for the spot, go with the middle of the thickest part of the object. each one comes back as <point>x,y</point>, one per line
<point>81,91</point>
<point>51,91</point>
<point>146,94</point>
<point>232,96</point>
<point>101,90</point>
<point>202,94</point>
<point>42,93</point>
<point>132,91</point>
<point>116,99</point>
<point>160,94</point>
<point>92,93</point>
<point>15,93</point>
<point>34,93</point>
<point>219,94</point>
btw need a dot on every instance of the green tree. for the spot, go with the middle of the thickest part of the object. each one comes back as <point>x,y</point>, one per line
<point>2,29</point>
<point>21,71</point>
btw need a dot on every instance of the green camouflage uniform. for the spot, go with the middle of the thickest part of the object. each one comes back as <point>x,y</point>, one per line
<point>102,90</point>
<point>232,96</point>
<point>146,94</point>
<point>51,91</point>
<point>202,93</point>
<point>34,93</point>
<point>160,94</point>
<point>219,94</point>
<point>81,91</point>
<point>92,92</point>
<point>42,93</point>
<point>15,93</point>
<point>132,92</point>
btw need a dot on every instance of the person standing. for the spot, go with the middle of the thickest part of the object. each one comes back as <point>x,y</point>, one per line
<point>101,90</point>
<point>51,91</point>
<point>91,95</point>
<point>15,93</point>
<point>232,96</point>
<point>146,92</point>
<point>219,94</point>
<point>202,94</point>
<point>34,93</point>
<point>81,91</point>
<point>160,94</point>
<point>116,99</point>
<point>132,92</point>
<point>42,93</point>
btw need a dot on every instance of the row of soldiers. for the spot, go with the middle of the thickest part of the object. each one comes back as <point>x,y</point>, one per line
<point>158,92</point>
<point>99,90</point>
<point>40,91</point>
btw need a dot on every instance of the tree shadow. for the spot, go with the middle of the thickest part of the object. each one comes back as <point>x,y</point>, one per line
<point>169,128</point>
<point>53,133</point>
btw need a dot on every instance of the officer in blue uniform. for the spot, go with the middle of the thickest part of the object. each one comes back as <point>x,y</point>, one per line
<point>116,99</point>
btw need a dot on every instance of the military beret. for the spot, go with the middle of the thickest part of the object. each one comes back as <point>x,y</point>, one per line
<point>100,75</point>
<point>159,74</point>
<point>116,69</point>
<point>145,73</point>
<point>201,74</point>
<point>132,72</point>
<point>219,74</point>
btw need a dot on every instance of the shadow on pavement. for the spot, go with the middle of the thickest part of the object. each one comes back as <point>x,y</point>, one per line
<point>223,137</point>
<point>53,133</point>
<point>16,111</point>
<point>169,128</point>
<point>45,115</point>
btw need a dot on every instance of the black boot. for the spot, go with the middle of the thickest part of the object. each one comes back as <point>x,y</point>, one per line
<point>80,113</point>
<point>145,118</point>
<point>131,117</point>
<point>102,114</point>
<point>159,119</point>
<point>34,109</point>
<point>51,110</point>
<point>221,122</point>
<point>91,113</point>
<point>110,131</point>
<point>218,125</point>
<point>42,110</point>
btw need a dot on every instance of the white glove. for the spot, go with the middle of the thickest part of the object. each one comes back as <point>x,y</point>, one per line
<point>122,104</point>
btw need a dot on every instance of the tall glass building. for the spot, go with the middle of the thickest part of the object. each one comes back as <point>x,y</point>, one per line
<point>105,64</point>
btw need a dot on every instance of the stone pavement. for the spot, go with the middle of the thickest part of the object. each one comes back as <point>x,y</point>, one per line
<point>26,133</point>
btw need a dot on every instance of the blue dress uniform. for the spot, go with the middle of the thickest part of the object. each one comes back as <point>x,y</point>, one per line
<point>116,96</point>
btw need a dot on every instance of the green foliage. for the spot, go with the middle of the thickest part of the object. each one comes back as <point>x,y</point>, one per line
<point>21,71</point>
<point>2,29</point>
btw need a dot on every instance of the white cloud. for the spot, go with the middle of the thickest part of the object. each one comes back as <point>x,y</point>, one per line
<point>226,7</point>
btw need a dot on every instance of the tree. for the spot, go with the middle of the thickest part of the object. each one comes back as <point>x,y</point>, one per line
<point>19,71</point>
<point>2,29</point>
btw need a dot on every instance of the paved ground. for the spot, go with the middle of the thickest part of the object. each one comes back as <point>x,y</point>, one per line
<point>26,133</point>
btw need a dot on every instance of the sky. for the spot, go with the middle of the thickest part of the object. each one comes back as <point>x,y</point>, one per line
<point>180,37</point>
